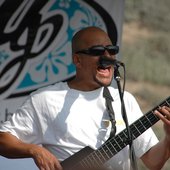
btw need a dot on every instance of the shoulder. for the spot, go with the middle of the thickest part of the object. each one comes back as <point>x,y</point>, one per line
<point>51,89</point>
<point>130,101</point>
<point>47,93</point>
<point>128,97</point>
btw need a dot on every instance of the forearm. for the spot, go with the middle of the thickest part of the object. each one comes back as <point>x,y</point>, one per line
<point>11,147</point>
<point>156,157</point>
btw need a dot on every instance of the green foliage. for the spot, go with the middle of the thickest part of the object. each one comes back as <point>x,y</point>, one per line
<point>148,58</point>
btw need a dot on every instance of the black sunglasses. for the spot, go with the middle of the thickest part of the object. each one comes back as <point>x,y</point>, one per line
<point>99,50</point>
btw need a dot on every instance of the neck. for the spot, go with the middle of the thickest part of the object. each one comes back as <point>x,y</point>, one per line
<point>83,85</point>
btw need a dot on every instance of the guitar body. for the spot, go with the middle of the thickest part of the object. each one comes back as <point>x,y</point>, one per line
<point>73,162</point>
<point>68,163</point>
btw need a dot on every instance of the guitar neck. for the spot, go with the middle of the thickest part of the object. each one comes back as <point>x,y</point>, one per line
<point>117,143</point>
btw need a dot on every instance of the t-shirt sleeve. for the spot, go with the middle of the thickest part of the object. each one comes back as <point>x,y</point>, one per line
<point>144,142</point>
<point>147,139</point>
<point>24,124</point>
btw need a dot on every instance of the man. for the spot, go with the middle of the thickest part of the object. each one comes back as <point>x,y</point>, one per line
<point>58,121</point>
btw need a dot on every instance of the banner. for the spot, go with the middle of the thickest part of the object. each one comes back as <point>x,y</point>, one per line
<point>35,43</point>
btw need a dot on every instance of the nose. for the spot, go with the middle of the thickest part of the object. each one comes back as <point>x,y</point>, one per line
<point>106,53</point>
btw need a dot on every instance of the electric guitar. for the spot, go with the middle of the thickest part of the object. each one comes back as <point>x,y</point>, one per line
<point>90,159</point>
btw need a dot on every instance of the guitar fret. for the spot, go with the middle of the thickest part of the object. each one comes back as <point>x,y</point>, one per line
<point>140,128</point>
<point>96,160</point>
<point>83,164</point>
<point>168,104</point>
<point>78,166</point>
<point>125,133</point>
<point>134,131</point>
<point>90,159</point>
<point>133,136</point>
<point>112,146</point>
<point>143,125</point>
<point>110,149</point>
<point>93,156</point>
<point>153,117</point>
<point>100,155</point>
<point>119,141</point>
<point>117,144</point>
<point>107,151</point>
<point>111,153</point>
<point>147,121</point>
<point>123,139</point>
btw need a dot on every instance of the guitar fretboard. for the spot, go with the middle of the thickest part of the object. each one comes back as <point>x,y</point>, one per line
<point>115,144</point>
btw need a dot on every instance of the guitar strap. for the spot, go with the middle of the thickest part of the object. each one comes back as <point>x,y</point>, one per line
<point>109,100</point>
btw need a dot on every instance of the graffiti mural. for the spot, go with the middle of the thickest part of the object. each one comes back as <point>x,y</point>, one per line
<point>35,43</point>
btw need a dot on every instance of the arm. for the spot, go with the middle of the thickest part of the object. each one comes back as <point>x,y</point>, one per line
<point>157,156</point>
<point>11,147</point>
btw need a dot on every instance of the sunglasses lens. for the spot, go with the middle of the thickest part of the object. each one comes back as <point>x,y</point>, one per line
<point>97,51</point>
<point>112,49</point>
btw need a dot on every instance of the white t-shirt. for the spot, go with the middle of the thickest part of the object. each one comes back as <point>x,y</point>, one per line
<point>65,120</point>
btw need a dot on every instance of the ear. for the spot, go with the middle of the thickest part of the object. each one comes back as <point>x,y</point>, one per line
<point>77,60</point>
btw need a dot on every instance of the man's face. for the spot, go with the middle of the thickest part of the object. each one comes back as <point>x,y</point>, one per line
<point>89,70</point>
<point>93,73</point>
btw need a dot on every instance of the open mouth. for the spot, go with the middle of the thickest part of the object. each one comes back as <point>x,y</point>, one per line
<point>105,71</point>
<point>105,66</point>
